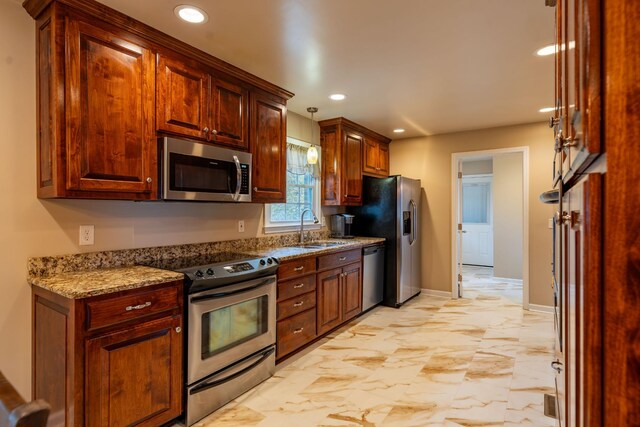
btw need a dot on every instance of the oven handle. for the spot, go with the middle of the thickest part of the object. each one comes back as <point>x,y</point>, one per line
<point>205,386</point>
<point>238,178</point>
<point>218,295</point>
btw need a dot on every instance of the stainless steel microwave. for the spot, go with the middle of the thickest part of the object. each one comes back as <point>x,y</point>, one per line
<point>199,172</point>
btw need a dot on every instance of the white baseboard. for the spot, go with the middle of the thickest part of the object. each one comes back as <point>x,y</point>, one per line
<point>541,308</point>
<point>508,280</point>
<point>435,293</point>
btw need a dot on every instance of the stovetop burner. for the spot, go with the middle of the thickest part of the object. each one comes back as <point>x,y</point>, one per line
<point>218,268</point>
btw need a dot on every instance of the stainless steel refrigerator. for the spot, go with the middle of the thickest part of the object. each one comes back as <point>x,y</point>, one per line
<point>391,209</point>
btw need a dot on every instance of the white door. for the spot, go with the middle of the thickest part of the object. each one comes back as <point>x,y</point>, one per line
<point>477,220</point>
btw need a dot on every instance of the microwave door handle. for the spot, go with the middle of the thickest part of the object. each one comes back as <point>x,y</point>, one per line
<point>236,196</point>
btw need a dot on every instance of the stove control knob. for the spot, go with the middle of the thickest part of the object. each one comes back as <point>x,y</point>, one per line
<point>262,262</point>
<point>210,272</point>
<point>199,273</point>
<point>270,261</point>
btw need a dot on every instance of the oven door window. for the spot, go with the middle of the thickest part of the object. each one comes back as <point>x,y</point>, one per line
<point>234,324</point>
<point>199,174</point>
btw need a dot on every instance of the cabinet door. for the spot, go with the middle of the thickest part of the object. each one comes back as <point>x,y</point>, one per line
<point>135,376</point>
<point>329,306</point>
<point>370,156</point>
<point>111,143</point>
<point>182,90</point>
<point>229,124</point>
<point>383,159</point>
<point>351,291</point>
<point>351,169</point>
<point>331,159</point>
<point>268,146</point>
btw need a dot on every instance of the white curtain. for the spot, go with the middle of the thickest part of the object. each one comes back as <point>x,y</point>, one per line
<point>297,161</point>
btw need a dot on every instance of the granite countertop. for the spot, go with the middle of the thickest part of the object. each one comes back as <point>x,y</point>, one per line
<point>83,284</point>
<point>292,252</point>
<point>98,273</point>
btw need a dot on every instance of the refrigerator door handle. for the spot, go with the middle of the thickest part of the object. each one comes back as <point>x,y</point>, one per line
<point>414,223</point>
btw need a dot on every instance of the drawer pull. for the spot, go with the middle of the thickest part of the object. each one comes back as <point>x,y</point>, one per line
<point>343,258</point>
<point>299,268</point>
<point>298,304</point>
<point>297,331</point>
<point>138,307</point>
<point>298,286</point>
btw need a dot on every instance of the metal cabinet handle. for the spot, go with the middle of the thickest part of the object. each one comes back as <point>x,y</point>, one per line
<point>255,188</point>
<point>299,268</point>
<point>553,121</point>
<point>215,132</point>
<point>149,180</point>
<point>297,331</point>
<point>178,329</point>
<point>298,304</point>
<point>298,286</point>
<point>343,258</point>
<point>205,130</point>
<point>138,307</point>
<point>556,365</point>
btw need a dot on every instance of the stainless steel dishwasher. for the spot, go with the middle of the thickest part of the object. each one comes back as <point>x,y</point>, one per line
<point>372,276</point>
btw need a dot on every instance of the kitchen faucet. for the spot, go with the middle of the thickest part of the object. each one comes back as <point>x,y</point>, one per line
<point>315,221</point>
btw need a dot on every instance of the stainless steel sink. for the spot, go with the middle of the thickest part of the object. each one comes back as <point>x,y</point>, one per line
<point>319,245</point>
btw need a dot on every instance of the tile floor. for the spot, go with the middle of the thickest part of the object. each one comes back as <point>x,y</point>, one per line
<point>480,281</point>
<point>477,361</point>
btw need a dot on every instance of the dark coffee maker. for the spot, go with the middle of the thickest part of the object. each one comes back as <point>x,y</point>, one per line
<point>341,226</point>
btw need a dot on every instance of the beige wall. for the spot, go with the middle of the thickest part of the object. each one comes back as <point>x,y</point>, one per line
<point>477,167</point>
<point>31,227</point>
<point>507,215</point>
<point>429,159</point>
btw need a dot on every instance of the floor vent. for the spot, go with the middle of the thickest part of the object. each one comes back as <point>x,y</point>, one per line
<point>550,407</point>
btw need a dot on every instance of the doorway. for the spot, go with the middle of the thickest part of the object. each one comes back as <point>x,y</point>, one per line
<point>490,224</point>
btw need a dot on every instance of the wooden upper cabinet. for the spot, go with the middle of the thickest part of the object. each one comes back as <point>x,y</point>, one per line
<point>351,168</point>
<point>375,157</point>
<point>106,84</point>
<point>109,83</point>
<point>349,151</point>
<point>183,103</point>
<point>194,103</point>
<point>230,124</point>
<point>268,147</point>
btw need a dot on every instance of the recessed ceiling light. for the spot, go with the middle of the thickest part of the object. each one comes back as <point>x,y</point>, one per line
<point>191,14</point>
<point>547,109</point>
<point>338,96</point>
<point>551,49</point>
<point>398,130</point>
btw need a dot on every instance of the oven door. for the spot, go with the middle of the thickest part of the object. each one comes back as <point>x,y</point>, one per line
<point>228,324</point>
<point>194,171</point>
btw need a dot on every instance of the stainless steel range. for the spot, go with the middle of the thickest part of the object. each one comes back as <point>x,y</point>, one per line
<point>230,306</point>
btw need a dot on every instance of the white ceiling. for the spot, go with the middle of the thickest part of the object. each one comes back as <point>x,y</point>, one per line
<point>424,65</point>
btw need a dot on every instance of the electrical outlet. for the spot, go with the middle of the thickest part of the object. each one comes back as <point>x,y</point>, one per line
<point>550,223</point>
<point>241,226</point>
<point>86,235</point>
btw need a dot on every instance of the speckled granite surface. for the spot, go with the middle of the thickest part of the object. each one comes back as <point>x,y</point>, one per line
<point>96,273</point>
<point>292,252</point>
<point>82,284</point>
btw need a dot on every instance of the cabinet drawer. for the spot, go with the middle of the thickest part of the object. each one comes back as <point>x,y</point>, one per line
<point>296,331</point>
<point>340,258</point>
<point>299,286</point>
<point>296,305</point>
<point>114,310</point>
<point>296,267</point>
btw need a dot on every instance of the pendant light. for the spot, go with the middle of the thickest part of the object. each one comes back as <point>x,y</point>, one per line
<point>312,152</point>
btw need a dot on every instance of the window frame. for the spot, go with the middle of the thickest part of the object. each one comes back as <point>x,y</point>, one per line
<point>288,226</point>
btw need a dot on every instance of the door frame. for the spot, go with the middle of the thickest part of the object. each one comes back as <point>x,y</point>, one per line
<point>480,154</point>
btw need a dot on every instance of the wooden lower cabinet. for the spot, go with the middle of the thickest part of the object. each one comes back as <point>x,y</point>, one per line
<point>126,373</point>
<point>339,296</point>
<point>311,305</point>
